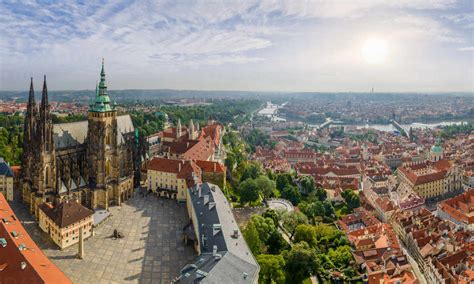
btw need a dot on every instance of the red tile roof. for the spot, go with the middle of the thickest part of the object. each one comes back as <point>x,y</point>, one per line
<point>211,167</point>
<point>38,269</point>
<point>183,169</point>
<point>438,172</point>
<point>202,150</point>
<point>461,207</point>
<point>66,213</point>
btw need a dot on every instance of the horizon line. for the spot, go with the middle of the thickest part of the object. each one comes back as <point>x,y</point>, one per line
<point>257,91</point>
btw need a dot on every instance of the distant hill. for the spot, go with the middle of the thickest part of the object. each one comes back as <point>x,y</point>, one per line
<point>167,94</point>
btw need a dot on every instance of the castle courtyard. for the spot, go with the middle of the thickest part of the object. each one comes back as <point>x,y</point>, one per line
<point>152,247</point>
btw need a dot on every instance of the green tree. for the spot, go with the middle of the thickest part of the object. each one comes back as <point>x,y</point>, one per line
<point>265,186</point>
<point>230,161</point>
<point>252,170</point>
<point>271,268</point>
<point>283,180</point>
<point>251,237</point>
<point>328,236</point>
<point>341,256</point>
<point>248,191</point>
<point>276,243</point>
<point>351,198</point>
<point>307,184</point>
<point>272,214</point>
<point>313,210</point>
<point>305,233</point>
<point>257,138</point>
<point>301,262</point>
<point>291,193</point>
<point>265,226</point>
<point>320,193</point>
<point>291,220</point>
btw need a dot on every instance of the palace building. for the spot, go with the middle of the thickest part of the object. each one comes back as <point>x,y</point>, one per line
<point>92,161</point>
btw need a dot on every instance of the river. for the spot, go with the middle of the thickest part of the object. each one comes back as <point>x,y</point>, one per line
<point>391,128</point>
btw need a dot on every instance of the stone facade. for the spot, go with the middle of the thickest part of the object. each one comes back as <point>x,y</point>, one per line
<point>94,162</point>
<point>6,180</point>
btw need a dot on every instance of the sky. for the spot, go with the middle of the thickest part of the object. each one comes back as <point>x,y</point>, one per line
<point>286,46</point>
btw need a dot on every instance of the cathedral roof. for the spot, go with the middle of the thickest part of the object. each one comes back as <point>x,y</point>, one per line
<point>74,133</point>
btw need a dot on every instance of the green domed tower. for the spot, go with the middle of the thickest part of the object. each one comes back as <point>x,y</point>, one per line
<point>102,148</point>
<point>437,152</point>
<point>102,99</point>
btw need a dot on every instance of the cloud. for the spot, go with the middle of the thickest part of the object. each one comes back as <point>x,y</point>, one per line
<point>467,48</point>
<point>422,26</point>
<point>69,37</point>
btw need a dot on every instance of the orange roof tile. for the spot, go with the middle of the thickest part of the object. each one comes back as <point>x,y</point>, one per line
<point>38,268</point>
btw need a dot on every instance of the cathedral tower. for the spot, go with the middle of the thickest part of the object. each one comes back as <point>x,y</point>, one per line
<point>102,147</point>
<point>29,133</point>
<point>178,129</point>
<point>436,151</point>
<point>46,157</point>
<point>191,131</point>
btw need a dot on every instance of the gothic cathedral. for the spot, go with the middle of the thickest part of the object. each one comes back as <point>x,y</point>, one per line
<point>93,161</point>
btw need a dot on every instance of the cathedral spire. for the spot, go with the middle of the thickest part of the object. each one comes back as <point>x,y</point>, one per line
<point>30,119</point>
<point>44,97</point>
<point>102,72</point>
<point>102,99</point>
<point>102,84</point>
<point>191,129</point>
<point>29,135</point>
<point>178,129</point>
<point>31,97</point>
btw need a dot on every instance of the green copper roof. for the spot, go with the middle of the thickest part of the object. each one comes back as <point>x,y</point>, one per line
<point>102,100</point>
<point>436,148</point>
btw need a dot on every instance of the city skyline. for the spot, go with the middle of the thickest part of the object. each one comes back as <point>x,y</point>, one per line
<point>321,46</point>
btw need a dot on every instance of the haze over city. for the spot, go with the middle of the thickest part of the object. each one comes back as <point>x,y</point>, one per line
<point>328,46</point>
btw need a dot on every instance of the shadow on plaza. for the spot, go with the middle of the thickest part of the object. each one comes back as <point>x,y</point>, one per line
<point>164,253</point>
<point>41,239</point>
<point>73,256</point>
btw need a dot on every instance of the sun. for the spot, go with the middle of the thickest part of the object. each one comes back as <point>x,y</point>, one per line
<point>374,51</point>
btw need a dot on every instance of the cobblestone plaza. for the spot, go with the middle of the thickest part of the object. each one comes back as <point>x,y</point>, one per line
<point>151,251</point>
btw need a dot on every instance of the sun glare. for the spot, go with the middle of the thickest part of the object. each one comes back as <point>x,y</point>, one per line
<point>374,51</point>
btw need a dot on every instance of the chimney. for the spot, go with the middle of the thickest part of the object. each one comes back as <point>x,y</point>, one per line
<point>199,191</point>
<point>214,250</point>
<point>215,167</point>
<point>236,233</point>
<point>23,265</point>
<point>211,205</point>
<point>179,166</point>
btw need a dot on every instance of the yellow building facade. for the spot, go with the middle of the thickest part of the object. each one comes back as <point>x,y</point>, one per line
<point>63,223</point>
<point>6,186</point>
<point>171,178</point>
